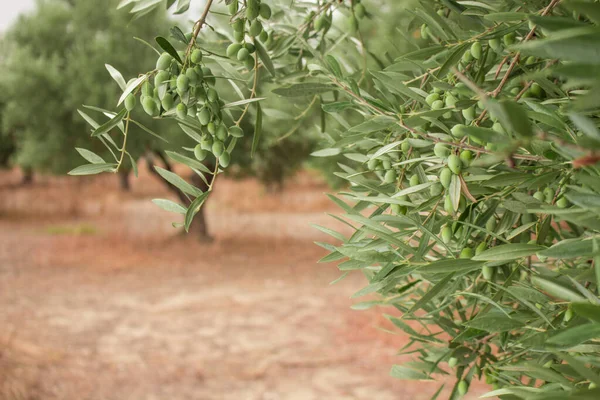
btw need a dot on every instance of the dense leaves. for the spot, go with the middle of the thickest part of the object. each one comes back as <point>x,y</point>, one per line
<point>471,166</point>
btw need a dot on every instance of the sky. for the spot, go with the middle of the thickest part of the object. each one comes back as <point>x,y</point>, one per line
<point>10,9</point>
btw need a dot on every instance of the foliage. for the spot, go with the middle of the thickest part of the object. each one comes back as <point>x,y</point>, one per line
<point>471,159</point>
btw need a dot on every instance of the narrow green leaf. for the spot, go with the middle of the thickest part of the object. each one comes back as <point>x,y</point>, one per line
<point>170,206</point>
<point>90,156</point>
<point>257,129</point>
<point>507,252</point>
<point>111,123</point>
<point>116,75</point>
<point>92,169</point>
<point>168,47</point>
<point>193,209</point>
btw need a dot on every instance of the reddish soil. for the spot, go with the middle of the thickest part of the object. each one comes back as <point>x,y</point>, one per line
<point>100,298</point>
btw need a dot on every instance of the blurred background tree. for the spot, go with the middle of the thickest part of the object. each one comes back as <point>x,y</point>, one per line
<point>53,61</point>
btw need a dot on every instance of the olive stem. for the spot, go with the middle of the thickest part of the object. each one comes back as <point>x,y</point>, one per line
<point>124,146</point>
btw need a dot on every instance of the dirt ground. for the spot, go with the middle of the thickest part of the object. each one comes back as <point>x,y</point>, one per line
<point>100,298</point>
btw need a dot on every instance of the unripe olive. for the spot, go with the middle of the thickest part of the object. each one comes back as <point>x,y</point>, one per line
<point>450,100</point>
<point>150,106</point>
<point>221,133</point>
<point>452,361</point>
<point>448,205</point>
<point>405,146</point>
<point>183,83</point>
<point>200,153</point>
<point>250,47</point>
<point>249,63</point>
<point>353,23</point>
<point>509,39</point>
<point>441,150</point>
<point>130,102</point>
<point>459,232</point>
<point>256,28</point>
<point>181,111</point>
<point>207,142</point>
<point>236,131</point>
<point>265,11</point>
<point>243,54</point>
<point>592,385</point>
<point>264,36</point>
<point>211,128</point>
<point>446,234</point>
<point>488,272</point>
<point>536,90</point>
<point>238,25</point>
<point>217,148</point>
<point>359,11</point>
<point>192,76</point>
<point>164,61</point>
<point>196,56</point>
<point>390,176</point>
<point>467,252</point>
<point>436,189</point>
<point>431,98</point>
<point>562,202</point>
<point>438,104</point>
<point>467,57</point>
<point>476,50</point>
<point>147,89</point>
<point>224,159</point>
<point>238,36</point>
<point>372,164</point>
<point>445,177</point>
<point>233,7</point>
<point>538,196</point>
<point>469,113</point>
<point>459,131</point>
<point>252,11</point>
<point>454,164</point>
<point>167,101</point>
<point>462,388</point>
<point>466,157</point>
<point>204,116</point>
<point>530,60</point>
<point>212,95</point>
<point>495,44</point>
<point>160,78</point>
<point>414,180</point>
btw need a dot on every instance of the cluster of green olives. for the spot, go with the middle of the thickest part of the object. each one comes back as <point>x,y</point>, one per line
<point>185,90</point>
<point>248,23</point>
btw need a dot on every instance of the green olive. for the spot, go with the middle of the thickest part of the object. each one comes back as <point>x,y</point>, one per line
<point>130,102</point>
<point>243,54</point>
<point>562,202</point>
<point>256,28</point>
<point>431,98</point>
<point>224,159</point>
<point>233,7</point>
<point>488,272</point>
<point>207,142</point>
<point>436,189</point>
<point>183,83</point>
<point>539,196</point>
<point>200,153</point>
<point>441,150</point>
<point>414,180</point>
<point>448,205</point>
<point>509,39</point>
<point>480,248</point>
<point>196,56</point>
<point>462,388</point>
<point>467,252</point>
<point>217,148</point>
<point>150,106</point>
<point>495,44</point>
<point>445,177</point>
<point>204,116</point>
<point>452,361</point>
<point>438,104</point>
<point>359,11</point>
<point>167,101</point>
<point>476,50</point>
<point>164,61</point>
<point>467,57</point>
<point>161,78</point>
<point>466,157</point>
<point>455,164</point>
<point>469,113</point>
<point>390,176</point>
<point>459,131</point>
<point>265,11</point>
<point>181,111</point>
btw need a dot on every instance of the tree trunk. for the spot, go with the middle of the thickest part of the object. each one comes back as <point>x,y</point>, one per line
<point>27,178</point>
<point>199,226</point>
<point>124,181</point>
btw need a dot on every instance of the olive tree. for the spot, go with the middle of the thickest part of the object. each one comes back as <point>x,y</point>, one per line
<point>470,153</point>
